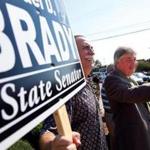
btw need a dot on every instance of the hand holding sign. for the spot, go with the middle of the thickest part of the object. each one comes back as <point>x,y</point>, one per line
<point>64,128</point>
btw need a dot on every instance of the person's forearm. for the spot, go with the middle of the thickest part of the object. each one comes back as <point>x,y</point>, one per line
<point>45,140</point>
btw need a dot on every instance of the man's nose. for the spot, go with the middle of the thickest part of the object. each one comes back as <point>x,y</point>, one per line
<point>91,50</point>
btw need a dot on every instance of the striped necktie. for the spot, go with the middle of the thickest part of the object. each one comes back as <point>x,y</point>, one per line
<point>148,106</point>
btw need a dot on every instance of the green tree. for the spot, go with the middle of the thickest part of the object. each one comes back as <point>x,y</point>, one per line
<point>143,65</point>
<point>97,64</point>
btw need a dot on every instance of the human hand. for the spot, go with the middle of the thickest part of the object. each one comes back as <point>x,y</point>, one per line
<point>105,128</point>
<point>76,138</point>
<point>62,143</point>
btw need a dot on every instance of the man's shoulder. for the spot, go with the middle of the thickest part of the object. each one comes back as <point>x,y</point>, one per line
<point>115,75</point>
<point>114,78</point>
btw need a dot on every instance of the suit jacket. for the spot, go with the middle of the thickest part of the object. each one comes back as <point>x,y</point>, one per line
<point>132,119</point>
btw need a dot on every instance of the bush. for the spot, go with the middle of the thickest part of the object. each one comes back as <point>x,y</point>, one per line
<point>30,141</point>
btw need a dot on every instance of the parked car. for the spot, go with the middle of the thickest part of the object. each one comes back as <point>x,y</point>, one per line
<point>137,79</point>
<point>102,76</point>
<point>143,76</point>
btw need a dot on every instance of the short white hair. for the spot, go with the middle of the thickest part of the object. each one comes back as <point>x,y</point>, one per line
<point>120,51</point>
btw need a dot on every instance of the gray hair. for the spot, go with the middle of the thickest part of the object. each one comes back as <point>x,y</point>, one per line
<point>120,51</point>
<point>79,36</point>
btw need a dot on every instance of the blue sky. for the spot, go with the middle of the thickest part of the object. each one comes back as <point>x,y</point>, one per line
<point>99,19</point>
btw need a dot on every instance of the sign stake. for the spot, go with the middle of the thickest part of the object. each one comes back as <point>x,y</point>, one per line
<point>62,122</point>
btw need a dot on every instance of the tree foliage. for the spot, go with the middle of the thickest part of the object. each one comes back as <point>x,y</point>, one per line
<point>97,64</point>
<point>143,65</point>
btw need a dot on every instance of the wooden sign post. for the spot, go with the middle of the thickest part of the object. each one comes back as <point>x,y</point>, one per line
<point>62,122</point>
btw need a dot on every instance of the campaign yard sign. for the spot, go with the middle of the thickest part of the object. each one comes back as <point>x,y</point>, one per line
<point>39,65</point>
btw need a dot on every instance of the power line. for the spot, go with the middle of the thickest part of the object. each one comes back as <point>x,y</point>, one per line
<point>123,34</point>
<point>119,28</point>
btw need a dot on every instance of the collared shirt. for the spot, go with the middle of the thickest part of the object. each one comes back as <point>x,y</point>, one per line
<point>85,119</point>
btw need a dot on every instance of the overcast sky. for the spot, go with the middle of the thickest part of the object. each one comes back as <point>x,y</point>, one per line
<point>109,24</point>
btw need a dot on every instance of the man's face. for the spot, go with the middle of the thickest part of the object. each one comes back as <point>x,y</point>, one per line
<point>86,54</point>
<point>127,64</point>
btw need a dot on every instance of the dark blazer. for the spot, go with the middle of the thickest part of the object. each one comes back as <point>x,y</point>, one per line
<point>132,119</point>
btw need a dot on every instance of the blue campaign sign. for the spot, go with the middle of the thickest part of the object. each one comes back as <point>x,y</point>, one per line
<point>39,65</point>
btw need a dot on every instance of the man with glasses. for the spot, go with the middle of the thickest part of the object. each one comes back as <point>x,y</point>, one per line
<point>127,100</point>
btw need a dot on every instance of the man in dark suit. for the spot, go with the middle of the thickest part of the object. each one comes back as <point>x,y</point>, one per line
<point>128,103</point>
